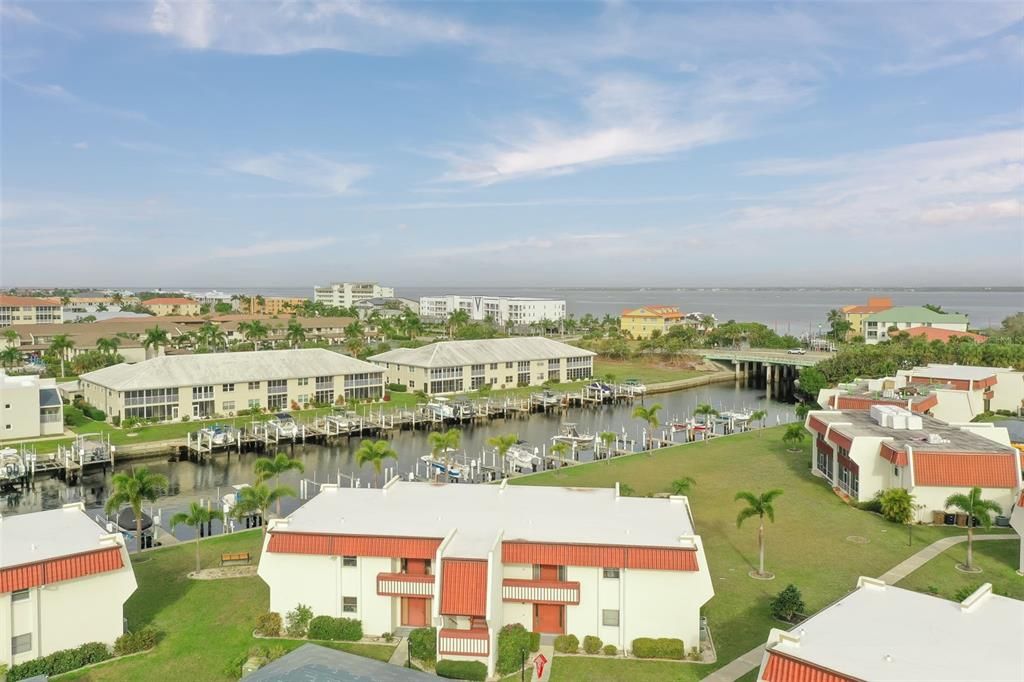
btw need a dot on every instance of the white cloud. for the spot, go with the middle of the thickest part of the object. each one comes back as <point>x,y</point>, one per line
<point>48,237</point>
<point>304,169</point>
<point>1007,209</point>
<point>18,14</point>
<point>83,145</point>
<point>932,62</point>
<point>60,93</point>
<point>265,248</point>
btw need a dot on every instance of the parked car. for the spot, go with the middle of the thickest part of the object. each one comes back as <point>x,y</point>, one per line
<point>797,351</point>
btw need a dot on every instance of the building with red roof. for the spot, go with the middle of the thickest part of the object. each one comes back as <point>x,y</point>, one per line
<point>172,305</point>
<point>643,322</point>
<point>944,335</point>
<point>29,310</point>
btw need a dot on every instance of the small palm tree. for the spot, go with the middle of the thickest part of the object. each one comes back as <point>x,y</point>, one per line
<point>649,415</point>
<point>12,337</point>
<point>108,346</point>
<point>445,442</point>
<point>267,468</point>
<point>503,443</point>
<point>795,434</point>
<point>197,517</point>
<point>976,508</point>
<point>683,486</point>
<point>10,356</point>
<point>759,506</point>
<point>257,499</point>
<point>295,334</point>
<point>155,338</point>
<point>134,488</point>
<point>375,452</point>
<point>560,449</point>
<point>759,416</point>
<point>608,439</point>
<point>59,346</point>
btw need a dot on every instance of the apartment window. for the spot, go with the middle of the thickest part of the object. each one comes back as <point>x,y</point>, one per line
<point>254,385</point>
<point>228,388</point>
<point>20,595</point>
<point>349,604</point>
<point>611,573</point>
<point>202,393</point>
<point>21,643</point>
<point>494,365</point>
<point>348,561</point>
<point>303,399</point>
<point>610,617</point>
<point>508,380</point>
<point>508,365</point>
<point>254,402</point>
<point>412,384</point>
<point>304,381</point>
<point>228,405</point>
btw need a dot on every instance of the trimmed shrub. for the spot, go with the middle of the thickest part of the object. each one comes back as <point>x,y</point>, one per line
<point>397,388</point>
<point>461,670</point>
<point>662,647</point>
<point>512,641</point>
<point>592,644</point>
<point>787,604</point>
<point>423,644</point>
<point>321,627</point>
<point>610,650</point>
<point>93,413</point>
<point>872,505</point>
<point>269,624</point>
<point>534,641</point>
<point>298,621</point>
<point>133,642</point>
<point>74,416</point>
<point>338,629</point>
<point>567,644</point>
<point>61,661</point>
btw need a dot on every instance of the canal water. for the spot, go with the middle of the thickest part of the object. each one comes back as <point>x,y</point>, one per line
<point>190,481</point>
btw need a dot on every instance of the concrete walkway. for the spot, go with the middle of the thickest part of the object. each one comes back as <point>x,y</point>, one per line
<point>400,656</point>
<point>739,667</point>
<point>549,653</point>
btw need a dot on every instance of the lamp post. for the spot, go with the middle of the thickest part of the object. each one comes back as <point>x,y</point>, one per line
<point>522,665</point>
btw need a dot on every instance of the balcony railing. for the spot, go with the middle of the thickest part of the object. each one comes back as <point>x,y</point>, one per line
<point>540,591</point>
<point>405,585</point>
<point>464,642</point>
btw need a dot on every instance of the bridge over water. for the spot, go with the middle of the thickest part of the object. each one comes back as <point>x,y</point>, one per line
<point>774,370</point>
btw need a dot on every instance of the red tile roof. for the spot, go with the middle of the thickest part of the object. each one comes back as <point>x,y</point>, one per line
<point>894,455</point>
<point>935,334</point>
<point>784,669</point>
<point>464,587</point>
<point>965,469</point>
<point>607,556</point>
<point>27,300</point>
<point>353,545</point>
<point>170,301</point>
<point>60,569</point>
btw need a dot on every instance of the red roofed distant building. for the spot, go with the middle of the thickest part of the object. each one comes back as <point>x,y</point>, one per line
<point>29,310</point>
<point>642,323</point>
<point>944,335</point>
<point>856,314</point>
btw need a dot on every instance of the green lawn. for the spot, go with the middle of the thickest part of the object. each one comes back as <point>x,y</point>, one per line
<point>646,372</point>
<point>998,561</point>
<point>807,545</point>
<point>205,624</point>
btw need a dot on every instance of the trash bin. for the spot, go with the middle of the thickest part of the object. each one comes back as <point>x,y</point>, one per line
<point>938,517</point>
<point>949,519</point>
<point>1002,521</point>
<point>961,519</point>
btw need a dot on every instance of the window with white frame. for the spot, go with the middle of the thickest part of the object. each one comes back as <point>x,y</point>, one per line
<point>21,643</point>
<point>610,573</point>
<point>349,604</point>
<point>610,617</point>
<point>227,388</point>
<point>228,405</point>
<point>349,561</point>
<point>20,595</point>
<point>254,385</point>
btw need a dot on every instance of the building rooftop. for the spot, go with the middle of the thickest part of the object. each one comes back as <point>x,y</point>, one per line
<point>937,334</point>
<point>662,311</point>
<point>954,372</point>
<point>857,423</point>
<point>889,634</point>
<point>916,314</point>
<point>481,352</point>
<point>30,538</point>
<point>314,663</point>
<point>170,300</point>
<point>478,512</point>
<point>226,368</point>
<point>8,300</point>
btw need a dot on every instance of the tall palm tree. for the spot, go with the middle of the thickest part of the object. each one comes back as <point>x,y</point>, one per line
<point>10,356</point>
<point>59,346</point>
<point>257,499</point>
<point>649,415</point>
<point>683,486</point>
<point>759,506</point>
<point>608,439</point>
<point>254,331</point>
<point>295,334</point>
<point>12,337</point>
<point>211,336</point>
<point>155,338</point>
<point>503,443</point>
<point>795,434</point>
<point>561,449</point>
<point>196,517</point>
<point>445,442</point>
<point>133,488</point>
<point>117,299</point>
<point>976,508</point>
<point>759,416</point>
<point>279,464</point>
<point>456,320</point>
<point>108,346</point>
<point>375,452</point>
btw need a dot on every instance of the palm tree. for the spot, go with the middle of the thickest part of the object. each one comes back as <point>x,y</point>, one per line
<point>155,338</point>
<point>59,346</point>
<point>141,485</point>
<point>560,448</point>
<point>211,336</point>
<point>683,486</point>
<point>117,299</point>
<point>12,337</point>
<point>445,442</point>
<point>457,319</point>
<point>10,356</point>
<point>976,508</point>
<point>503,443</point>
<point>281,463</point>
<point>197,517</point>
<point>108,346</point>
<point>258,498</point>
<point>649,415</point>
<point>794,435</point>
<point>705,412</point>
<point>375,452</point>
<point>759,416</point>
<point>254,331</point>
<point>608,439</point>
<point>295,334</point>
<point>759,506</point>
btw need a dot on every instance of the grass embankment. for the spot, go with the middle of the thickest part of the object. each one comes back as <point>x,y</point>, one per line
<point>807,545</point>
<point>206,624</point>
<point>998,561</point>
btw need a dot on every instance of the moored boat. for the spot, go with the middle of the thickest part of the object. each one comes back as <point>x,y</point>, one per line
<point>570,434</point>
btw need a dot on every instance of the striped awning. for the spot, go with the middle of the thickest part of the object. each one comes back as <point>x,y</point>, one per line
<point>60,569</point>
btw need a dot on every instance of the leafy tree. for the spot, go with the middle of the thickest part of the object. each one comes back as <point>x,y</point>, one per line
<point>759,416</point>
<point>60,346</point>
<point>211,336</point>
<point>934,308</point>
<point>108,346</point>
<point>133,488</point>
<point>839,324</point>
<point>608,439</point>
<point>10,356</point>
<point>683,486</point>
<point>759,506</point>
<point>560,449</point>
<point>649,415</point>
<point>802,410</point>
<point>787,604</point>
<point>444,443</point>
<point>295,334</point>
<point>897,505</point>
<point>375,452</point>
<point>254,331</point>
<point>257,499</point>
<point>795,434</point>
<point>196,517</point>
<point>811,381</point>
<point>975,507</point>
<point>456,320</point>
<point>273,468</point>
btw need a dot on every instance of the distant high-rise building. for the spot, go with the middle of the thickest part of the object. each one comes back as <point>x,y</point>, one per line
<point>501,310</point>
<point>346,294</point>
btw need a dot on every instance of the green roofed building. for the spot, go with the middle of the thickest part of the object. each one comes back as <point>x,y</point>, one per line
<point>877,326</point>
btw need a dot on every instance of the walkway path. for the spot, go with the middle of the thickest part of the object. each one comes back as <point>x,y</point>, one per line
<point>549,653</point>
<point>739,667</point>
<point>400,656</point>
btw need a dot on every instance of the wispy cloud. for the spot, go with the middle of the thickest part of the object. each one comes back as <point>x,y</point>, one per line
<point>81,146</point>
<point>303,169</point>
<point>61,94</point>
<point>266,248</point>
<point>531,203</point>
<point>145,147</point>
<point>12,13</point>
<point>41,237</point>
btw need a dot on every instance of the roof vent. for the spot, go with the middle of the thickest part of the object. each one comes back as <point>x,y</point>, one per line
<point>887,658</point>
<point>936,439</point>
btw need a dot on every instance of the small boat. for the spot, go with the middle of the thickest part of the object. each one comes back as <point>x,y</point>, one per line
<point>570,434</point>
<point>439,465</point>
<point>736,415</point>
<point>602,389</point>
<point>686,425</point>
<point>546,398</point>
<point>218,434</point>
<point>634,387</point>
<point>520,458</point>
<point>441,408</point>
<point>285,425</point>
<point>230,500</point>
<point>11,466</point>
<point>462,409</point>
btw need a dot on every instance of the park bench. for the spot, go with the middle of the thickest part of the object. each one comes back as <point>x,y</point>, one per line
<point>234,558</point>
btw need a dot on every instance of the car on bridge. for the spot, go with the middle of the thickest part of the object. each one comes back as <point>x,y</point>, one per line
<point>797,351</point>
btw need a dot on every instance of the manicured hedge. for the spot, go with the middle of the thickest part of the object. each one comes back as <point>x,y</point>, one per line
<point>567,644</point>
<point>513,640</point>
<point>592,644</point>
<point>62,661</point>
<point>397,388</point>
<point>534,641</point>
<point>74,416</point>
<point>461,670</point>
<point>338,629</point>
<point>610,650</point>
<point>663,647</point>
<point>133,642</point>
<point>423,644</point>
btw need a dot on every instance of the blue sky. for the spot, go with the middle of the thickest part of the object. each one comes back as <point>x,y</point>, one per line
<point>683,144</point>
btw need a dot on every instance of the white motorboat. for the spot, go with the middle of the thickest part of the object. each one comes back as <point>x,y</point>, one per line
<point>439,465</point>
<point>219,435</point>
<point>546,398</point>
<point>634,387</point>
<point>463,409</point>
<point>12,467</point>
<point>570,434</point>
<point>520,458</point>
<point>441,407</point>
<point>285,425</point>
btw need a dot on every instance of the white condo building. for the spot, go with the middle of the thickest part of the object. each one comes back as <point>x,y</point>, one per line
<point>347,294</point>
<point>30,407</point>
<point>63,582</point>
<point>470,559</point>
<point>514,310</point>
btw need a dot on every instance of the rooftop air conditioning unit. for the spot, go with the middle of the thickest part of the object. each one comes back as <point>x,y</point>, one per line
<point>936,439</point>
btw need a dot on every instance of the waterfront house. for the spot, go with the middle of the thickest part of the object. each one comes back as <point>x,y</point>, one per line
<point>29,310</point>
<point>347,294</point>
<point>877,326</point>
<point>173,305</point>
<point>643,322</point>
<point>889,634</point>
<point>210,384</point>
<point>29,407</point>
<point>989,388</point>
<point>856,314</point>
<point>863,452</point>
<point>457,366</point>
<point>515,311</point>
<point>63,582</point>
<point>470,559</point>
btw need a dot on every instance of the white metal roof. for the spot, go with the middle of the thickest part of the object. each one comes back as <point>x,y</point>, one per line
<point>29,538</point>
<point>226,368</point>
<point>481,352</point>
<point>889,634</point>
<point>959,372</point>
<point>479,512</point>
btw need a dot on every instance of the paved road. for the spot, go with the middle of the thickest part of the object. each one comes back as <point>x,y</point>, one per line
<point>780,357</point>
<point>739,667</point>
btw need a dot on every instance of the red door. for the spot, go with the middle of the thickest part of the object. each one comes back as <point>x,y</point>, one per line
<point>549,618</point>
<point>414,612</point>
